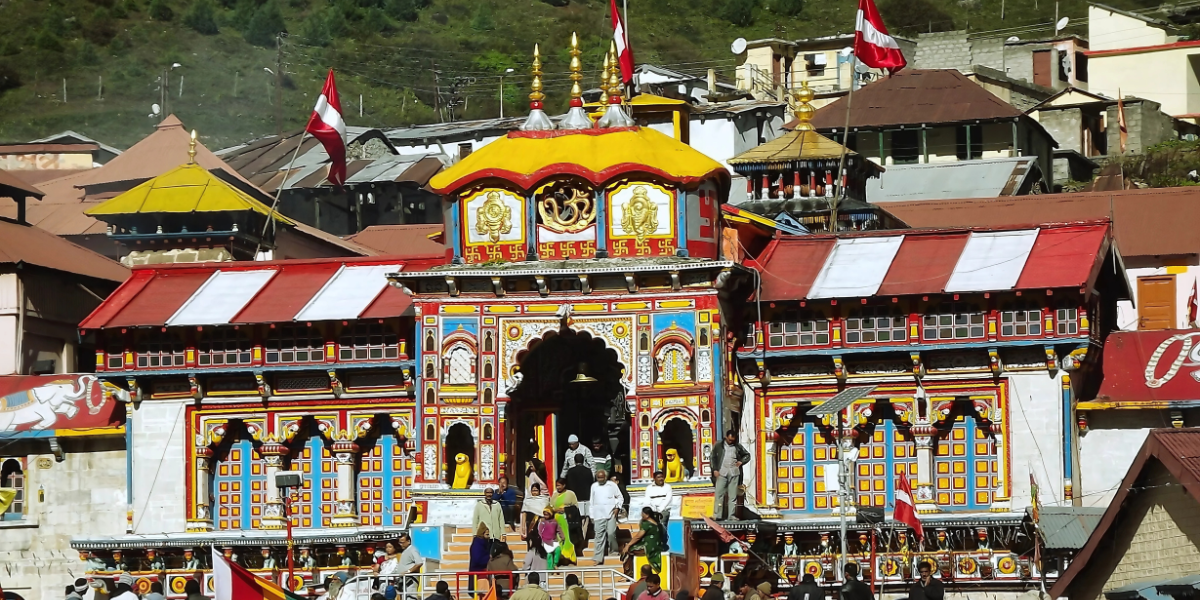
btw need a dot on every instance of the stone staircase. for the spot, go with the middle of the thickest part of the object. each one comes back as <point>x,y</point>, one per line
<point>457,556</point>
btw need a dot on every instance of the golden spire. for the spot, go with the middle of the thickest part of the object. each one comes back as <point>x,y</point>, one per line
<point>604,81</point>
<point>801,106</point>
<point>192,149</point>
<point>614,75</point>
<point>536,97</point>
<point>576,72</point>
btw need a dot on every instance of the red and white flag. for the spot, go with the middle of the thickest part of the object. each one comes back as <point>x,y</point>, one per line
<point>1194,303</point>
<point>624,52</point>
<point>1124,130</point>
<point>872,44</point>
<point>906,510</point>
<point>326,125</point>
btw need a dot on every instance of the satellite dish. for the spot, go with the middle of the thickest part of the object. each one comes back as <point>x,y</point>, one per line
<point>846,52</point>
<point>861,68</point>
<point>738,46</point>
<point>1061,24</point>
<point>1013,39</point>
<point>155,108</point>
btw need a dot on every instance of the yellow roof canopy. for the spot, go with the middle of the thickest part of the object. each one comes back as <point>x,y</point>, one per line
<point>185,189</point>
<point>527,158</point>
<point>792,146</point>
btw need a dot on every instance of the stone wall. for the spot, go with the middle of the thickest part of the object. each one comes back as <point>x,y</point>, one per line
<point>1146,123</point>
<point>943,50</point>
<point>82,496</point>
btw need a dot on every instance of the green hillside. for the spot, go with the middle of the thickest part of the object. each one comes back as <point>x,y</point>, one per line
<point>395,54</point>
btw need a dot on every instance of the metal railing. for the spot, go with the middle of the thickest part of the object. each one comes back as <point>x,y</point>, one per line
<point>600,582</point>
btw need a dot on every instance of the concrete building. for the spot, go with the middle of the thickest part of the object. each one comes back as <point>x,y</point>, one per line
<point>1147,544</point>
<point>936,116</point>
<point>1052,63</point>
<point>1160,258</point>
<point>1137,55</point>
<point>770,68</point>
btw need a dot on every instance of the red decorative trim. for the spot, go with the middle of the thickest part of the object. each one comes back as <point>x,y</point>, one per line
<point>553,133</point>
<point>1140,49</point>
<point>599,179</point>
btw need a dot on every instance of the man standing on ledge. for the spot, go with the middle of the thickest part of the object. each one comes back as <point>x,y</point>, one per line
<point>727,461</point>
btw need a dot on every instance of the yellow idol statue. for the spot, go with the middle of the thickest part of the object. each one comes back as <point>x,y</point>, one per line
<point>673,468</point>
<point>462,472</point>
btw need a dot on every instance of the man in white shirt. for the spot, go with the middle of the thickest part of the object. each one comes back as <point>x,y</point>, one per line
<point>605,502</point>
<point>573,448</point>
<point>659,496</point>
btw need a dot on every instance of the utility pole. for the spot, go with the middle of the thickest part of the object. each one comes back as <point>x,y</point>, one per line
<point>437,92</point>
<point>278,84</point>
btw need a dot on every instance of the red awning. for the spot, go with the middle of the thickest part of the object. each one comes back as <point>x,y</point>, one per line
<point>390,302</point>
<point>789,269</point>
<point>44,403</point>
<point>1064,257</point>
<point>287,293</point>
<point>923,263</point>
<point>1143,367</point>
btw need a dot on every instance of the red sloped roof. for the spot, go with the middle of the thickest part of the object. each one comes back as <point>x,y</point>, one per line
<point>791,265</point>
<point>923,263</point>
<point>1065,257</point>
<point>256,292</point>
<point>157,299</point>
<point>287,292</point>
<point>1129,355</point>
<point>389,303</point>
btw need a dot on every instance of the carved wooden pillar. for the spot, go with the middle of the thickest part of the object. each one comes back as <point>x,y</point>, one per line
<point>273,453</point>
<point>345,455</point>
<point>201,519</point>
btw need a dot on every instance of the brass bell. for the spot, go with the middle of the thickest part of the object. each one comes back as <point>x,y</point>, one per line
<point>583,378</point>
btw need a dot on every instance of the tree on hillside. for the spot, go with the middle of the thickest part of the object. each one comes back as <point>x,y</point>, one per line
<point>915,16</point>
<point>264,25</point>
<point>202,17</point>
<point>159,11</point>
<point>788,8</point>
<point>739,12</point>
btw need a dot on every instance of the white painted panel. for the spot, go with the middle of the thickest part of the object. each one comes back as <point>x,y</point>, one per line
<point>221,298</point>
<point>992,261</point>
<point>347,294</point>
<point>856,267</point>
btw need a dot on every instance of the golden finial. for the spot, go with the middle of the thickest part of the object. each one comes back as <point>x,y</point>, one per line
<point>192,149</point>
<point>801,100</point>
<point>536,97</point>
<point>614,75</point>
<point>576,71</point>
<point>604,80</point>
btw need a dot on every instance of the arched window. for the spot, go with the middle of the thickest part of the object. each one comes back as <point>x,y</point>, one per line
<point>13,476</point>
<point>430,341</point>
<point>430,370</point>
<point>487,370</point>
<point>644,342</point>
<point>704,337</point>
<point>488,342</point>
<point>487,396</point>
<point>460,366</point>
<point>430,396</point>
<point>430,432</point>
<point>674,364</point>
<point>487,432</point>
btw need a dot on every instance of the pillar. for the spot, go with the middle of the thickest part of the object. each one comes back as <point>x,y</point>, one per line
<point>924,439</point>
<point>273,453</point>
<point>345,454</point>
<point>796,184</point>
<point>201,518</point>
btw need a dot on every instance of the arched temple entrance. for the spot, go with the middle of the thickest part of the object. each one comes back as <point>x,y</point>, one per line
<point>570,385</point>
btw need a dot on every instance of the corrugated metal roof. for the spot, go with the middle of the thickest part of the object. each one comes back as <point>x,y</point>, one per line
<point>790,147</point>
<point>795,268</point>
<point>989,178</point>
<point>27,244</point>
<point>916,97</point>
<point>1138,215</point>
<point>1068,527</point>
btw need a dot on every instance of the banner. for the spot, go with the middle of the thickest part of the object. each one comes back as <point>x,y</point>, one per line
<point>32,404</point>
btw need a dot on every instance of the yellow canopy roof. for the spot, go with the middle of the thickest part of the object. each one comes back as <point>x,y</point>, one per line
<point>184,189</point>
<point>526,158</point>
<point>792,146</point>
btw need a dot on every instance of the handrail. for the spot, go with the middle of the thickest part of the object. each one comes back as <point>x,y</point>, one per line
<point>608,582</point>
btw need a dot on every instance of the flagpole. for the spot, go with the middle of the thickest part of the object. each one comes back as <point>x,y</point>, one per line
<point>279,192</point>
<point>841,174</point>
